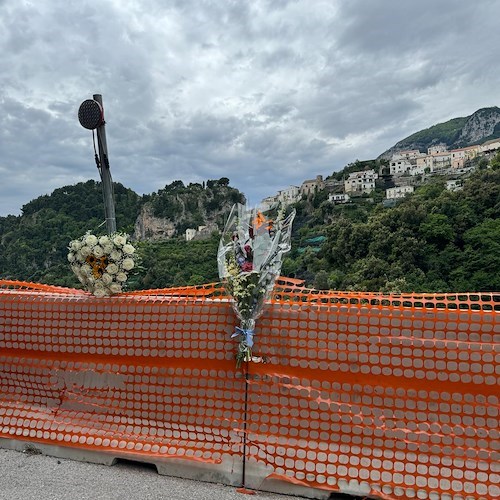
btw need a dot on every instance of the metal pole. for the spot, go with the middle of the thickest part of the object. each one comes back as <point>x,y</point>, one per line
<point>107,183</point>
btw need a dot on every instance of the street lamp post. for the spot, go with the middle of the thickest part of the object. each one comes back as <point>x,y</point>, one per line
<point>91,116</point>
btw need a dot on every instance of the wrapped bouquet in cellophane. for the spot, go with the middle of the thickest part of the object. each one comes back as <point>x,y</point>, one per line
<point>249,258</point>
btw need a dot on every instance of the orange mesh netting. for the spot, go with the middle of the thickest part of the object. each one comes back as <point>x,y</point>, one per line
<point>389,395</point>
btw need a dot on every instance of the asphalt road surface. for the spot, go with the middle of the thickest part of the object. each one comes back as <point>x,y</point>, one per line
<point>28,476</point>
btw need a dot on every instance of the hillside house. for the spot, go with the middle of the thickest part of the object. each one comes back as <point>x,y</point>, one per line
<point>312,185</point>
<point>435,161</point>
<point>268,203</point>
<point>454,185</point>
<point>339,198</point>
<point>399,166</point>
<point>438,148</point>
<point>284,197</point>
<point>203,232</point>
<point>440,160</point>
<point>405,162</point>
<point>490,146</point>
<point>418,169</point>
<point>289,195</point>
<point>461,155</point>
<point>360,182</point>
<point>398,192</point>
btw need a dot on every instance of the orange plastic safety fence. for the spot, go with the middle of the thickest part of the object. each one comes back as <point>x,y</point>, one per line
<point>148,375</point>
<point>402,401</point>
<point>38,287</point>
<point>389,395</point>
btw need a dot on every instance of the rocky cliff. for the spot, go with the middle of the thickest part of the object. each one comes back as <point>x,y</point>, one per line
<point>483,125</point>
<point>172,210</point>
<point>149,227</point>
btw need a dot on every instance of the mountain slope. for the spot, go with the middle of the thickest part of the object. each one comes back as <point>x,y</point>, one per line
<point>479,127</point>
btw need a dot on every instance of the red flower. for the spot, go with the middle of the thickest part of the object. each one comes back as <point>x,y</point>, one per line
<point>246,267</point>
<point>249,252</point>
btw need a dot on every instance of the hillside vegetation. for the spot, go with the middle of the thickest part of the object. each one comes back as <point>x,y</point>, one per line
<point>433,241</point>
<point>33,246</point>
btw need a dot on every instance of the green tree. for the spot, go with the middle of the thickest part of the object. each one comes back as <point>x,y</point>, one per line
<point>481,264</point>
<point>321,280</point>
<point>437,229</point>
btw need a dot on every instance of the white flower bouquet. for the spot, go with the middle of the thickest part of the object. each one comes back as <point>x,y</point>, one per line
<point>249,259</point>
<point>102,263</point>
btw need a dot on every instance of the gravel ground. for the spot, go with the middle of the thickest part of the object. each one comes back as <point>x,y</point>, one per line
<point>27,476</point>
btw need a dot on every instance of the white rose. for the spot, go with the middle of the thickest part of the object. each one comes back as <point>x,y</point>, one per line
<point>99,292</point>
<point>90,240</point>
<point>79,257</point>
<point>119,240</point>
<point>106,278</point>
<point>116,255</point>
<point>85,251</point>
<point>112,268</point>
<point>98,285</point>
<point>104,240</point>
<point>107,247</point>
<point>71,257</point>
<point>75,245</point>
<point>81,277</point>
<point>98,251</point>
<point>115,288</point>
<point>121,277</point>
<point>128,249</point>
<point>128,264</point>
<point>86,270</point>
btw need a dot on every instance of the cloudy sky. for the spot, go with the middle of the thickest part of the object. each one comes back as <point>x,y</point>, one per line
<point>266,92</point>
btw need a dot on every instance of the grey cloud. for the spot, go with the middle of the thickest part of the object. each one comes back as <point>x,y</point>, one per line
<point>278,111</point>
<point>267,92</point>
<point>395,26</point>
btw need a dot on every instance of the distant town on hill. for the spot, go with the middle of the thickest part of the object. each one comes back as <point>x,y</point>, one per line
<point>451,150</point>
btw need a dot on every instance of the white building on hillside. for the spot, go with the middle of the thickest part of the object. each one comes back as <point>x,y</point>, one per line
<point>417,169</point>
<point>289,195</point>
<point>200,233</point>
<point>339,198</point>
<point>454,185</point>
<point>268,203</point>
<point>190,234</point>
<point>284,197</point>
<point>438,148</point>
<point>360,182</point>
<point>398,192</point>
<point>399,166</point>
<point>490,146</point>
<point>403,162</point>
